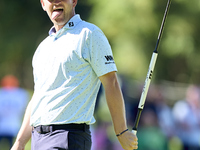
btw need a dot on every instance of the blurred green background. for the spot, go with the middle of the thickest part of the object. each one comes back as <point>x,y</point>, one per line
<point>131,26</point>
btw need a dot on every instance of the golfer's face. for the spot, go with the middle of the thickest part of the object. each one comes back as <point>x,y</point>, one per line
<point>59,11</point>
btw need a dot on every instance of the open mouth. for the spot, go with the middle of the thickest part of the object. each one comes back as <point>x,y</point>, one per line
<point>56,13</point>
<point>60,9</point>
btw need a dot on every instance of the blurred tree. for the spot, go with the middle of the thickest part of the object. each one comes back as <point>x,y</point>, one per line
<point>131,27</point>
<point>181,45</point>
<point>22,25</point>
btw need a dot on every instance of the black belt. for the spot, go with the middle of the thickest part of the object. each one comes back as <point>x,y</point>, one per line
<point>50,128</point>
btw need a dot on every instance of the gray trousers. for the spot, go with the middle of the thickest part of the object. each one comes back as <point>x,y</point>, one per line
<point>61,139</point>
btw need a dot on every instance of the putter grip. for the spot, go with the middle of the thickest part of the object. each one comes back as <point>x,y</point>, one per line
<point>148,80</point>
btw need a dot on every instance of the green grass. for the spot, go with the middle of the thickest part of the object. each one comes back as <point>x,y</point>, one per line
<point>4,145</point>
<point>28,145</point>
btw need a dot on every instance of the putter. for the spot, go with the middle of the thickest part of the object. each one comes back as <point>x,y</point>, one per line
<point>150,72</point>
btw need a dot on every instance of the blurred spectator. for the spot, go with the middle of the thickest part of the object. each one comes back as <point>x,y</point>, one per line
<point>149,134</point>
<point>101,138</point>
<point>13,101</point>
<point>187,117</point>
<point>164,112</point>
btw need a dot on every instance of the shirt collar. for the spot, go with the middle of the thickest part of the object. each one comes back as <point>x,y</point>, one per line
<point>69,25</point>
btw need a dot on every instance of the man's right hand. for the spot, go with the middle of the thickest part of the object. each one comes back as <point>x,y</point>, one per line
<point>128,141</point>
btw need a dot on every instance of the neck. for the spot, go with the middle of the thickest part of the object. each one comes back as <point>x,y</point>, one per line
<point>60,26</point>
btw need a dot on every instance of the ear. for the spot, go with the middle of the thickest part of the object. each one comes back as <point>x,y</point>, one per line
<point>75,3</point>
<point>43,5</point>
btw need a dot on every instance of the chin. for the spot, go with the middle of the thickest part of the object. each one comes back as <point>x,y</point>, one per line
<point>59,23</point>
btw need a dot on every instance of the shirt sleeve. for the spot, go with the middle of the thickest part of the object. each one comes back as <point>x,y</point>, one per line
<point>101,56</point>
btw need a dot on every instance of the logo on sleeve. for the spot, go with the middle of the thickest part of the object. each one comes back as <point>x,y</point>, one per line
<point>109,59</point>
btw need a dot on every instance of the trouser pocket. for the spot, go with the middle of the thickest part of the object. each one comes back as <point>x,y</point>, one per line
<point>79,140</point>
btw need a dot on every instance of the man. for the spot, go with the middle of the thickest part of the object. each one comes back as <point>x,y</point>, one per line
<point>67,67</point>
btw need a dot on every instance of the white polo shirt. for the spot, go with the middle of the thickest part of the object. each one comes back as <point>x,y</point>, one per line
<point>66,67</point>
